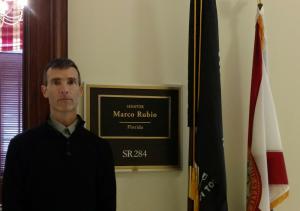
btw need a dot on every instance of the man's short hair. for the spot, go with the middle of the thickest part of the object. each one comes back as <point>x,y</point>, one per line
<point>61,64</point>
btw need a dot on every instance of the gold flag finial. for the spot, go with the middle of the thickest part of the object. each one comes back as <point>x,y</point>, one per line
<point>259,4</point>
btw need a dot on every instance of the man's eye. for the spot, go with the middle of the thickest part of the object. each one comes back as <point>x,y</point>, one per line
<point>71,81</point>
<point>56,82</point>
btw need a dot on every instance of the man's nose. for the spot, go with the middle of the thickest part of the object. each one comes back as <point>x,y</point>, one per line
<point>64,89</point>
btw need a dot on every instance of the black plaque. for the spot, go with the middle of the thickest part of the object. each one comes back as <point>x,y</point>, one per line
<point>141,124</point>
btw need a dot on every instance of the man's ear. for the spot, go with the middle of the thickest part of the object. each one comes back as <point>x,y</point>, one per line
<point>44,91</point>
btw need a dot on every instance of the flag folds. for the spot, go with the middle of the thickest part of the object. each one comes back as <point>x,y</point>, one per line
<point>267,183</point>
<point>207,180</point>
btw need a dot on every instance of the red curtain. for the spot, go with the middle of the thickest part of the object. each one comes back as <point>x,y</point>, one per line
<point>11,36</point>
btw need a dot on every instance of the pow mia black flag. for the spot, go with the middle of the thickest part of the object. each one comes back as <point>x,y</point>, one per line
<point>207,179</point>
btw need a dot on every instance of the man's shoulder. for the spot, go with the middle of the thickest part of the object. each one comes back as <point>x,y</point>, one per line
<point>30,134</point>
<point>90,135</point>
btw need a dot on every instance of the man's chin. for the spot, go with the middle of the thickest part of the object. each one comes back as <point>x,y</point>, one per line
<point>66,109</point>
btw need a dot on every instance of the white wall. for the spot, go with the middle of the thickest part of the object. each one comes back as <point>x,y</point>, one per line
<point>236,26</point>
<point>136,42</point>
<point>145,42</point>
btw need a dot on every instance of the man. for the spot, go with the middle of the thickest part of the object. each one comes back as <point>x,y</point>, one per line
<point>59,166</point>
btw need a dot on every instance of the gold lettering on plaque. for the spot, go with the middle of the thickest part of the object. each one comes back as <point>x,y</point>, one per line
<point>135,127</point>
<point>135,106</point>
<point>146,114</point>
<point>122,114</point>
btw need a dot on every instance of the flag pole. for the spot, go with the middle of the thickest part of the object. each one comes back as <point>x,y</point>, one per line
<point>194,188</point>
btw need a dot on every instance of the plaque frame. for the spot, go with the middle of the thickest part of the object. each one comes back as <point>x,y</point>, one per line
<point>140,151</point>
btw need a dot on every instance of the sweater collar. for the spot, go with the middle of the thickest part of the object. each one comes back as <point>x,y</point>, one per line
<point>66,131</point>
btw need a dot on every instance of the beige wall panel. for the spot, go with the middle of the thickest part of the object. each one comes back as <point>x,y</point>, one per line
<point>145,42</point>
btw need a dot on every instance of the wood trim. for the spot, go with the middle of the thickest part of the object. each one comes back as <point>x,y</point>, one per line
<point>45,38</point>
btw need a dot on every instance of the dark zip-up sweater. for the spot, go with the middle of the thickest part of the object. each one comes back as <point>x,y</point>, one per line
<point>46,171</point>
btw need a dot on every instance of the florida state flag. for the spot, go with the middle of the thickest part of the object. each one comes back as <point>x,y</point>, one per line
<point>267,178</point>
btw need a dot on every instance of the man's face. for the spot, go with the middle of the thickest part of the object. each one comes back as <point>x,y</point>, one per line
<point>62,90</point>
